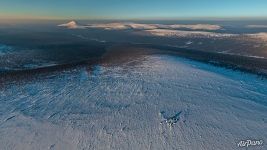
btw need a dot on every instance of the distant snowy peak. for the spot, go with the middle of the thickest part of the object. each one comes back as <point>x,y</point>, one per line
<point>71,25</point>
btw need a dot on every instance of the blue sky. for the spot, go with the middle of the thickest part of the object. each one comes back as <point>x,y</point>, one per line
<point>131,9</point>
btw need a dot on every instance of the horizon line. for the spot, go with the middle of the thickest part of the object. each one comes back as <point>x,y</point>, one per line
<point>136,19</point>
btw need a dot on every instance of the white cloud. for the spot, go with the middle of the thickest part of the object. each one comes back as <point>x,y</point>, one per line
<point>174,30</point>
<point>123,26</point>
<point>142,26</point>
<point>109,26</point>
<point>192,27</point>
<point>257,26</point>
<point>139,26</point>
<point>179,33</point>
<point>260,36</point>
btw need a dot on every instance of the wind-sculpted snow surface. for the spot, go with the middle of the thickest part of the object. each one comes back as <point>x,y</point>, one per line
<point>148,102</point>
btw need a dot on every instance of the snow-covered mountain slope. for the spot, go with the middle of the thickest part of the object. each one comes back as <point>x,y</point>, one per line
<point>149,102</point>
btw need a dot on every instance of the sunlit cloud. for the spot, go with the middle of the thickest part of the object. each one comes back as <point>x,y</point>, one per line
<point>123,26</point>
<point>259,36</point>
<point>173,31</point>
<point>257,26</point>
<point>138,26</point>
<point>180,33</point>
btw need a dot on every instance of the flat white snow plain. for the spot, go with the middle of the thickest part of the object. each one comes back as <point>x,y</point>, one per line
<point>151,102</point>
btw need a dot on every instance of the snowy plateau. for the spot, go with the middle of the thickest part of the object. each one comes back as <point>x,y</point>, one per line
<point>157,102</point>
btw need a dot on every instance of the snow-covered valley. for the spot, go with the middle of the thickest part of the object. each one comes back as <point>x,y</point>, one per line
<point>147,102</point>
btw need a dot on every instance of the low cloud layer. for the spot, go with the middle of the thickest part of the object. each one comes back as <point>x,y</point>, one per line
<point>173,31</point>
<point>123,26</point>
<point>257,26</point>
<point>179,33</point>
<point>138,26</point>
<point>261,36</point>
